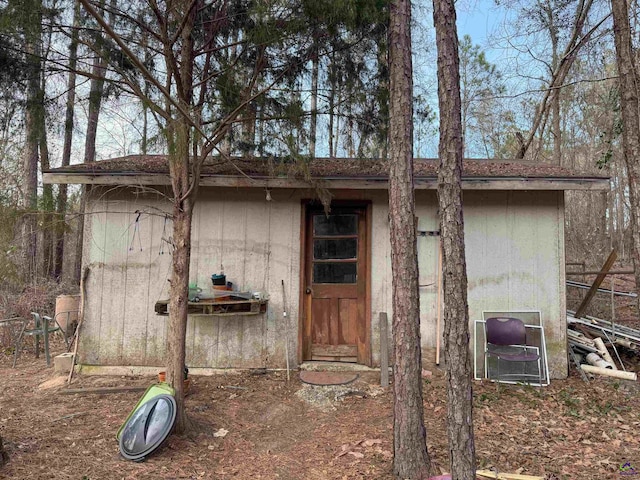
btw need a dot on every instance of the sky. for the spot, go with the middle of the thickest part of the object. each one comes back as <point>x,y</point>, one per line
<point>478,18</point>
<point>482,21</point>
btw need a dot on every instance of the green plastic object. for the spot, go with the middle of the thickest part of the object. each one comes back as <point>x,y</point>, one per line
<point>194,292</point>
<point>161,388</point>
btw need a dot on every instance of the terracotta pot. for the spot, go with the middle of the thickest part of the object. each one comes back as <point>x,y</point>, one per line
<point>162,377</point>
<point>223,298</point>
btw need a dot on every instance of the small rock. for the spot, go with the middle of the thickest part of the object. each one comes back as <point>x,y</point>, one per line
<point>53,383</point>
<point>372,442</point>
<point>221,433</point>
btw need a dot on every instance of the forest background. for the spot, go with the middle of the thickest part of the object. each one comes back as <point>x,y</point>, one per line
<point>538,83</point>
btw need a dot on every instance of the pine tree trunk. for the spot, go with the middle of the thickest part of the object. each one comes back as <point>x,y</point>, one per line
<point>557,129</point>
<point>456,313</point>
<point>33,112</point>
<point>48,207</point>
<point>184,191</point>
<point>383,99</point>
<point>313,130</point>
<point>629,104</point>
<point>555,98</point>
<point>176,352</point>
<point>61,207</point>
<point>332,93</point>
<point>96,91</point>
<point>411,459</point>
<point>48,202</point>
<point>144,144</point>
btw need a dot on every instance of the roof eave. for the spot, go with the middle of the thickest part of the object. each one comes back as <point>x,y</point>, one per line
<point>355,183</point>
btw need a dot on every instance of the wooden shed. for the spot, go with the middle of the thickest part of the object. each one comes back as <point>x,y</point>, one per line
<point>259,220</point>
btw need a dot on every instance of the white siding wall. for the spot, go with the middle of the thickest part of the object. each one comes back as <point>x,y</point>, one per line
<point>256,241</point>
<point>515,262</point>
<point>515,259</point>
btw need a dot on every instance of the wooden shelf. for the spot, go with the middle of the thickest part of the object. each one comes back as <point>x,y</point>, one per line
<point>217,308</point>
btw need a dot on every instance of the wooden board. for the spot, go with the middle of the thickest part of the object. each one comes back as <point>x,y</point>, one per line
<point>101,390</point>
<point>219,308</point>
<point>596,284</point>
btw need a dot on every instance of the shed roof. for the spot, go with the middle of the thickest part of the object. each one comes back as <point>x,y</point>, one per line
<point>326,172</point>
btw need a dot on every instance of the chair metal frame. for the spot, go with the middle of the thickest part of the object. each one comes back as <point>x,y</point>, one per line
<point>516,340</point>
<point>44,325</point>
<point>480,371</point>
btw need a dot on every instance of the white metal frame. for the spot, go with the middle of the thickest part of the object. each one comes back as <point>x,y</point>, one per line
<point>543,344</point>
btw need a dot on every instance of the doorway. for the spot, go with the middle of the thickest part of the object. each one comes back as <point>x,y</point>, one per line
<point>335,284</point>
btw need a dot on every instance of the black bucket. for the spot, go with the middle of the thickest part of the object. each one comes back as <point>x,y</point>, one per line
<point>219,279</point>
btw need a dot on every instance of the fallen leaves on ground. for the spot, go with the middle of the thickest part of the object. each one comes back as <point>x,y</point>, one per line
<point>572,430</point>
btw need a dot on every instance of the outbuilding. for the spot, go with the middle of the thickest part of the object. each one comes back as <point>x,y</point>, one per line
<point>321,278</point>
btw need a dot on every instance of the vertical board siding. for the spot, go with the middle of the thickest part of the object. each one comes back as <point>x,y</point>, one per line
<point>515,260</point>
<point>381,278</point>
<point>93,249</point>
<point>257,243</point>
<point>427,213</point>
<point>159,255</point>
<point>514,257</point>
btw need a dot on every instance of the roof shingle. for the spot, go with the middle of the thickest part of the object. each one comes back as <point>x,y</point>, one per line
<point>328,168</point>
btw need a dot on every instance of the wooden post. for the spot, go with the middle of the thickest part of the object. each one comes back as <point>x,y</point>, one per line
<point>596,284</point>
<point>286,330</point>
<point>38,325</point>
<point>613,304</point>
<point>384,350</point>
<point>45,336</point>
<point>83,295</point>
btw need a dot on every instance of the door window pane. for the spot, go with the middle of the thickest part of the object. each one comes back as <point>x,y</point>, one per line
<point>340,248</point>
<point>335,224</point>
<point>334,272</point>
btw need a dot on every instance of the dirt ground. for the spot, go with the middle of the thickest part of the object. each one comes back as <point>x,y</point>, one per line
<point>574,430</point>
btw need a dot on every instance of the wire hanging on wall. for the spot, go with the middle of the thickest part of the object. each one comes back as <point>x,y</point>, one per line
<point>163,237</point>
<point>136,232</point>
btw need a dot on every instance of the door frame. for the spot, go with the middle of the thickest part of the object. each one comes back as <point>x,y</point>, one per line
<point>302,303</point>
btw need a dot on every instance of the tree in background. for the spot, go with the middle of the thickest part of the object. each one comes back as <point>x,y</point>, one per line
<point>212,64</point>
<point>551,33</point>
<point>628,84</point>
<point>480,80</point>
<point>410,459</point>
<point>26,33</point>
<point>61,204</point>
<point>96,96</point>
<point>22,21</point>
<point>457,354</point>
<point>352,32</point>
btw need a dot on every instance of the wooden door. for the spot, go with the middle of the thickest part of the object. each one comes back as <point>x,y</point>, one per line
<point>336,272</point>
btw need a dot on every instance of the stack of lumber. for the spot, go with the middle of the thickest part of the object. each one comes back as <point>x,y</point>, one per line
<point>591,339</point>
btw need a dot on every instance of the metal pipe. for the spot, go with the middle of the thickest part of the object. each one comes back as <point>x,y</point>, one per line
<point>586,286</point>
<point>598,272</point>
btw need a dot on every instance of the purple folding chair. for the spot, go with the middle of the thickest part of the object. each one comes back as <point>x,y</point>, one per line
<point>507,341</point>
